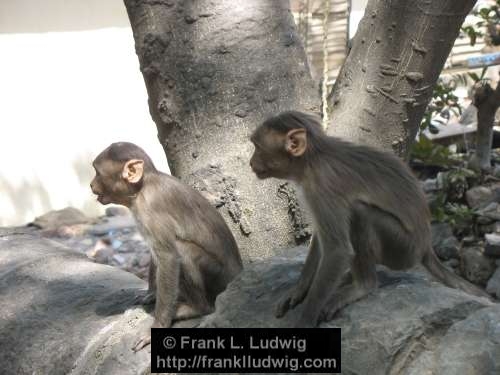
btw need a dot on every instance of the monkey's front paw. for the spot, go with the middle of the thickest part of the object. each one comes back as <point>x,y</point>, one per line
<point>290,300</point>
<point>145,299</point>
<point>143,342</point>
<point>329,312</point>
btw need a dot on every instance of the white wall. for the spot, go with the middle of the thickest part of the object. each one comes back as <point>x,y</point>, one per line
<point>69,86</point>
<point>357,12</point>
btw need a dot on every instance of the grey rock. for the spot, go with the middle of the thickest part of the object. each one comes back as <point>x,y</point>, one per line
<point>102,254</point>
<point>452,263</point>
<point>469,240</point>
<point>469,346</point>
<point>493,286</point>
<point>496,227</point>
<point>55,219</point>
<point>81,313</point>
<point>448,249</point>
<point>485,224</point>
<point>117,211</point>
<point>441,179</point>
<point>489,214</point>
<point>444,243</point>
<point>112,224</point>
<point>120,259</point>
<point>116,244</point>
<point>475,266</point>
<point>62,312</point>
<point>400,328</point>
<point>430,185</point>
<point>492,248</point>
<point>479,196</point>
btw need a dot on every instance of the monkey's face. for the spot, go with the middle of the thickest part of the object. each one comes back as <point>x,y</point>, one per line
<point>107,183</point>
<point>115,182</point>
<point>270,158</point>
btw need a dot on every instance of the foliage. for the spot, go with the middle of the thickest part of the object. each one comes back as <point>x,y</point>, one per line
<point>442,98</point>
<point>456,182</point>
<point>488,24</point>
<point>460,217</point>
<point>479,79</point>
<point>447,205</point>
<point>430,153</point>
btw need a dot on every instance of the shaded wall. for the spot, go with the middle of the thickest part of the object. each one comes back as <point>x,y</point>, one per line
<point>70,85</point>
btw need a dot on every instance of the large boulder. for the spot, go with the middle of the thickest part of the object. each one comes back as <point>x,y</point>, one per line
<point>410,325</point>
<point>63,314</point>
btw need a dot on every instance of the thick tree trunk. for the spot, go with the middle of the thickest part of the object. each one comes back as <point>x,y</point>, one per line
<point>387,79</point>
<point>487,102</point>
<point>214,70</point>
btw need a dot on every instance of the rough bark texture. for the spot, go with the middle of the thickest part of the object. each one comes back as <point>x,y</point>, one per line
<point>487,102</point>
<point>214,70</point>
<point>387,80</point>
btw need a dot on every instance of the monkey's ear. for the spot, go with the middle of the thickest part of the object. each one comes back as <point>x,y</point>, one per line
<point>133,170</point>
<point>296,142</point>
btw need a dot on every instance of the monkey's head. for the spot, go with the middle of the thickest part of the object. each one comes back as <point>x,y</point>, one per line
<point>120,171</point>
<point>282,144</point>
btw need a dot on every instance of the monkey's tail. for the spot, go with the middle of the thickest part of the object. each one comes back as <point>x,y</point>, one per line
<point>448,278</point>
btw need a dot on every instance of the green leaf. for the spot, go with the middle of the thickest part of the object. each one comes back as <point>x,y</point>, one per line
<point>483,72</point>
<point>474,76</point>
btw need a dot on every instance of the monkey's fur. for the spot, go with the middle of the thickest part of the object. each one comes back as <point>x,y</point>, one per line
<point>367,209</point>
<point>194,254</point>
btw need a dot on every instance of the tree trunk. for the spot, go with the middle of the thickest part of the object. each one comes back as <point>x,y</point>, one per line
<point>387,79</point>
<point>487,102</point>
<point>214,70</point>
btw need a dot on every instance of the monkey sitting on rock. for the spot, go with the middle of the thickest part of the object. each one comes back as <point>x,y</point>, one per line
<point>194,254</point>
<point>367,209</point>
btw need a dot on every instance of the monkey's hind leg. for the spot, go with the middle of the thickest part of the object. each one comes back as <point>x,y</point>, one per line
<point>363,271</point>
<point>365,280</point>
<point>149,297</point>
<point>298,292</point>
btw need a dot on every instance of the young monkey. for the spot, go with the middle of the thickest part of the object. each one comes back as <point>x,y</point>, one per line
<point>367,209</point>
<point>194,254</point>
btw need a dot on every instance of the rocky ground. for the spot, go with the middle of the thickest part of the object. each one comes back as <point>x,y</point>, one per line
<point>465,208</point>
<point>112,239</point>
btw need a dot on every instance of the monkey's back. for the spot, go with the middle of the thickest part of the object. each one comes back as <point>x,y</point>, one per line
<point>375,177</point>
<point>198,221</point>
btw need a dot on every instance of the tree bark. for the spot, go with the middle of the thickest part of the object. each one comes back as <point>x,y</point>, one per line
<point>387,79</point>
<point>213,71</point>
<point>487,102</point>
